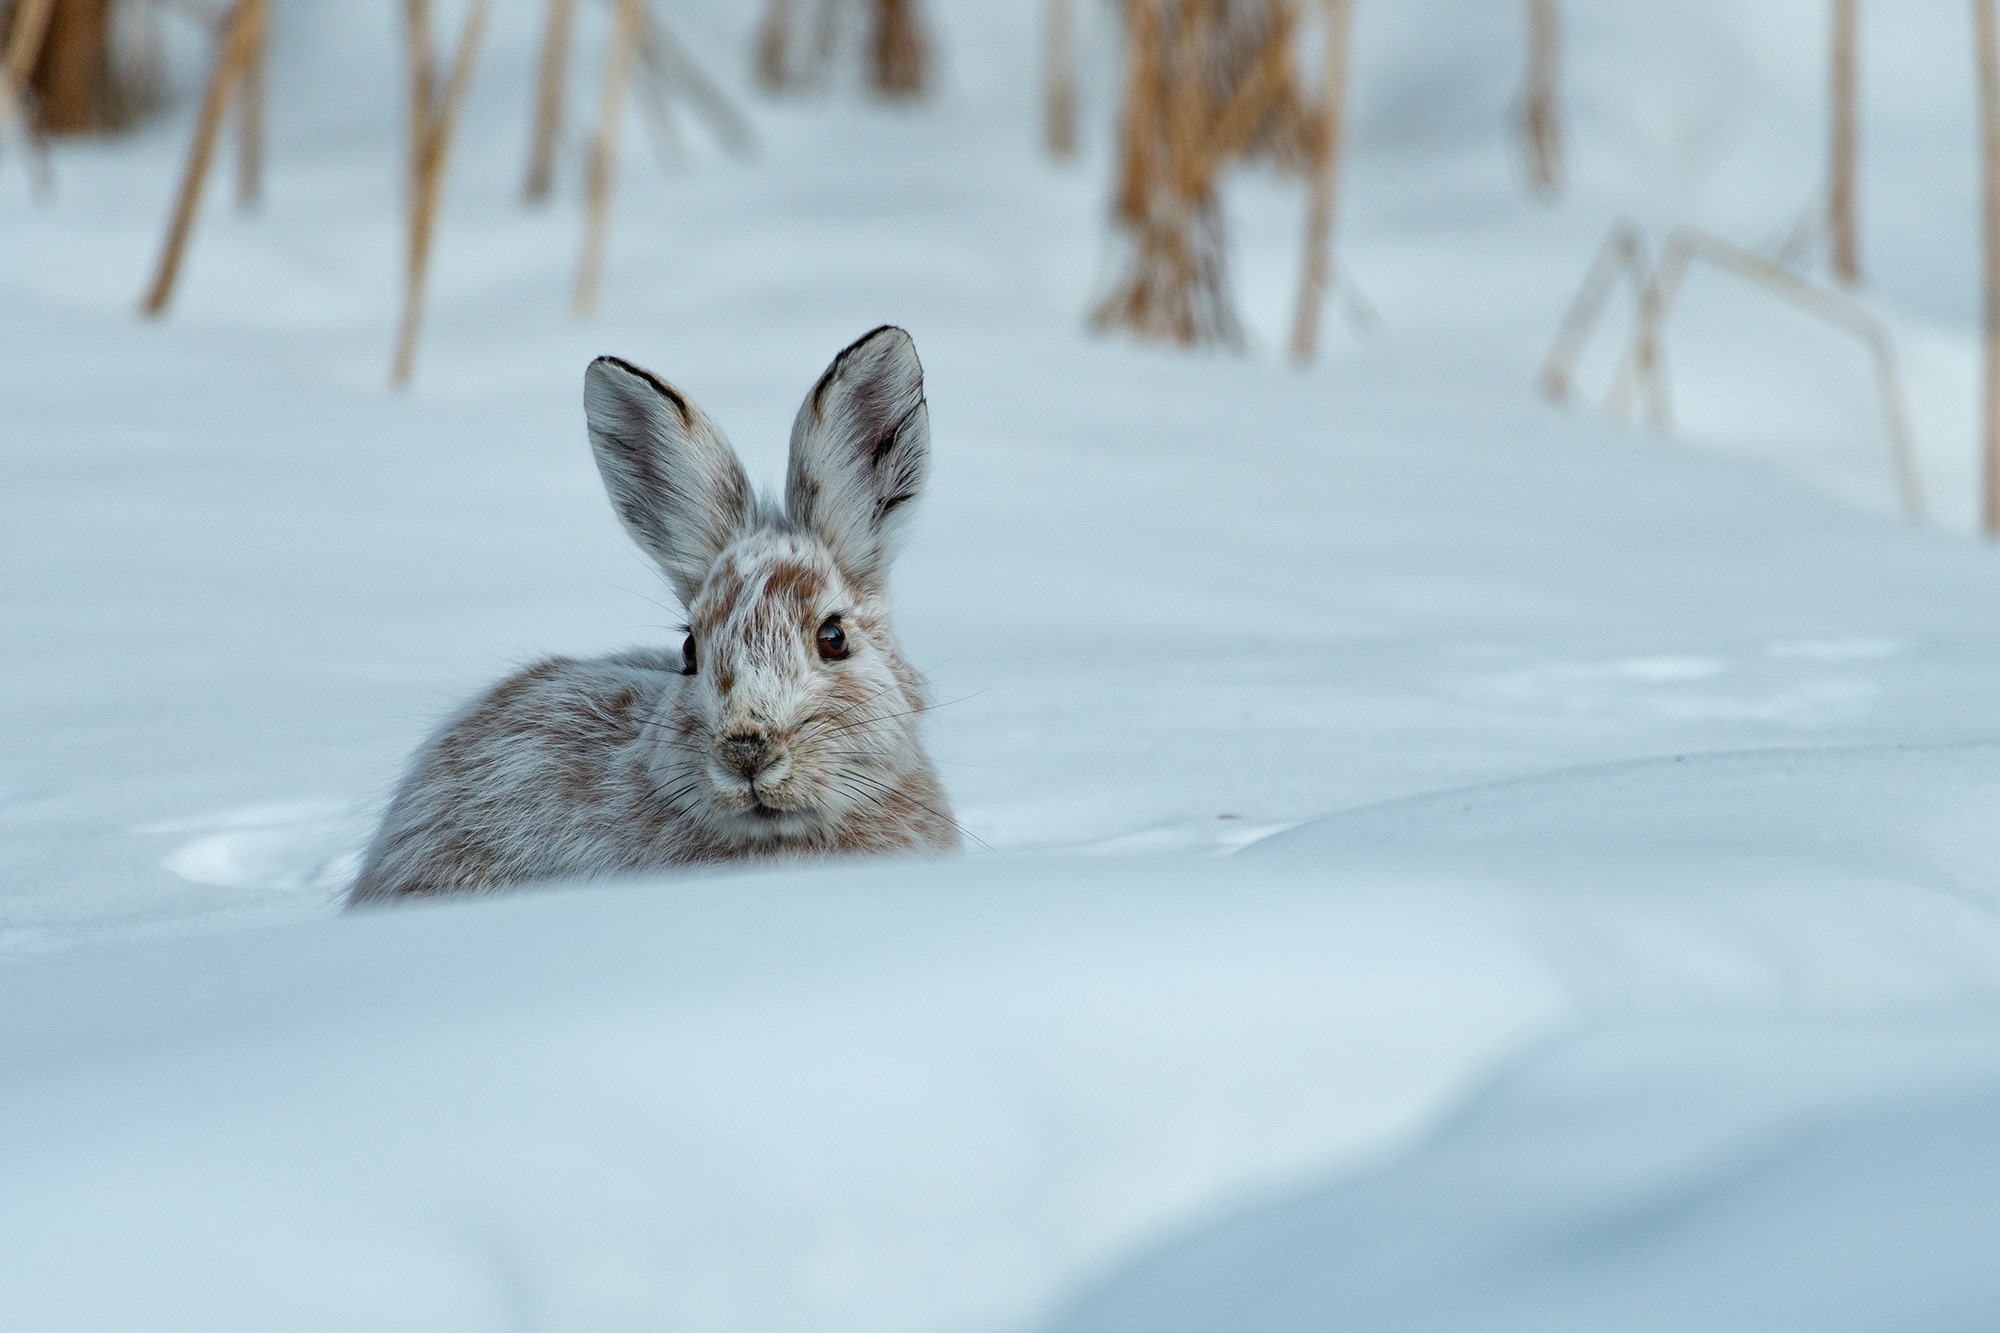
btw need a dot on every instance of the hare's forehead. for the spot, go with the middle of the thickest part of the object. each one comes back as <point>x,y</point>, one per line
<point>777,577</point>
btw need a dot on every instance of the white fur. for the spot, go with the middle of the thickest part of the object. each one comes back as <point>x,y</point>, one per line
<point>576,769</point>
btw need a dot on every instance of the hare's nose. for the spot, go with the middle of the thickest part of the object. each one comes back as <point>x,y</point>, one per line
<point>746,753</point>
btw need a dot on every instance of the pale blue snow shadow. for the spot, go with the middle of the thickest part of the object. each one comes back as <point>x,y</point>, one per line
<point>1730,1177</point>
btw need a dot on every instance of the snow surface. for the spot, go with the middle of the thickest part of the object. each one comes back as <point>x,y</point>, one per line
<point>1611,930</point>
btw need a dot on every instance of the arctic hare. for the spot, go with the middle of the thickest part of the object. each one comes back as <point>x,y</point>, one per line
<point>787,721</point>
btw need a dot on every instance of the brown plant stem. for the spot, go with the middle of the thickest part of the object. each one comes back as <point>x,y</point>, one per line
<point>670,66</point>
<point>1843,169</point>
<point>250,107</point>
<point>774,47</point>
<point>551,81</point>
<point>74,79</point>
<point>1325,184</point>
<point>1541,109</point>
<point>25,36</point>
<point>229,62</point>
<point>431,125</point>
<point>899,51</point>
<point>618,60</point>
<point>1989,157</point>
<point>1059,79</point>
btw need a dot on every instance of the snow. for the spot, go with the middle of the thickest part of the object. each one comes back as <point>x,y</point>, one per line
<point>1444,861</point>
<point>1715,1176</point>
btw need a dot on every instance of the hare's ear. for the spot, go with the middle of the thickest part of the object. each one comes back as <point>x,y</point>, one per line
<point>860,449</point>
<point>672,477</point>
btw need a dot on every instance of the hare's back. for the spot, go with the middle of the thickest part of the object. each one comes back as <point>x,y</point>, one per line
<point>542,777</point>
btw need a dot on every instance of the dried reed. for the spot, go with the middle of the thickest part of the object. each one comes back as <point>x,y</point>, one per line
<point>618,60</point>
<point>250,110</point>
<point>1059,78</point>
<point>1541,126</point>
<point>1623,254</point>
<point>75,79</point>
<point>1208,82</point>
<point>550,79</point>
<point>1989,159</point>
<point>774,47</point>
<point>899,51</point>
<point>669,71</point>
<point>242,33</point>
<point>431,123</point>
<point>1325,176</point>
<point>1844,166</point>
<point>27,27</point>
<point>1644,360</point>
<point>669,68</point>
<point>26,30</point>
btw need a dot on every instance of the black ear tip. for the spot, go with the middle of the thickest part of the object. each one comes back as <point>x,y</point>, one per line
<point>603,364</point>
<point>891,335</point>
<point>606,371</point>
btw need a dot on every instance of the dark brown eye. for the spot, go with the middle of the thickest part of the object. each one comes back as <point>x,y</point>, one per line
<point>832,640</point>
<point>687,656</point>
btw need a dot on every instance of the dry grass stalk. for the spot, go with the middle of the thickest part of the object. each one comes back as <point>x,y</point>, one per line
<point>899,50</point>
<point>784,62</point>
<point>774,47</point>
<point>26,30</point>
<point>1208,82</point>
<point>75,79</point>
<point>1325,177</point>
<point>27,27</point>
<point>1059,79</point>
<point>550,93</point>
<point>88,78</point>
<point>1684,247</point>
<point>669,71</point>
<point>431,124</point>
<point>795,49</point>
<point>1989,158</point>
<point>1541,109</point>
<point>826,28</point>
<point>662,130</point>
<point>241,31</point>
<point>1844,168</point>
<point>625,32</point>
<point>1623,254</point>
<point>669,68</point>
<point>250,108</point>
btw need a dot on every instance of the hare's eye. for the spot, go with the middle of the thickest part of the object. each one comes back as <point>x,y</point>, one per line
<point>832,640</point>
<point>687,656</point>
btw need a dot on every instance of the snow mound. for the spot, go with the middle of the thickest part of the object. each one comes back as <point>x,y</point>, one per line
<point>1747,1178</point>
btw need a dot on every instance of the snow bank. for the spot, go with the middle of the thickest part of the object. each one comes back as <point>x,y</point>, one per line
<point>1742,1176</point>
<point>905,1098</point>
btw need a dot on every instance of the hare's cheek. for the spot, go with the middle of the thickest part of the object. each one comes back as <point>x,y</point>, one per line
<point>856,693</point>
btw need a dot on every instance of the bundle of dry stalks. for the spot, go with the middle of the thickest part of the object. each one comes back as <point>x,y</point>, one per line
<point>638,44</point>
<point>798,41</point>
<point>1643,367</point>
<point>1208,83</point>
<point>668,73</point>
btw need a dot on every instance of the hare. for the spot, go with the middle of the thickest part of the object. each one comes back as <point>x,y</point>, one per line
<point>785,724</point>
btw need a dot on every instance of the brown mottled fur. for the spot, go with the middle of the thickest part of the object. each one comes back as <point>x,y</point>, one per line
<point>772,748</point>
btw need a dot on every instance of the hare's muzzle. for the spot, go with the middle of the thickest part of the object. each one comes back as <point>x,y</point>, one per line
<point>746,753</point>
